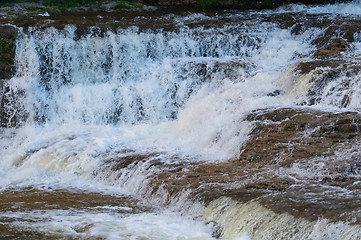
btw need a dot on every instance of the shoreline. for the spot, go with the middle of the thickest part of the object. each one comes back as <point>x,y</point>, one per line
<point>10,12</point>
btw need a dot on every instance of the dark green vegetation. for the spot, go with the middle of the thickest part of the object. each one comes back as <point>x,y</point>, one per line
<point>4,46</point>
<point>7,51</point>
<point>207,3</point>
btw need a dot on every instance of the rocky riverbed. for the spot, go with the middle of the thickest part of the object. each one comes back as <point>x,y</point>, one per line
<point>297,156</point>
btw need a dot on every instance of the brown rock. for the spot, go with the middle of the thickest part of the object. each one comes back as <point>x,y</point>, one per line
<point>292,134</point>
<point>336,46</point>
<point>282,139</point>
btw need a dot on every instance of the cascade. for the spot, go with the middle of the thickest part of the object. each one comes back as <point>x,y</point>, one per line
<point>165,128</point>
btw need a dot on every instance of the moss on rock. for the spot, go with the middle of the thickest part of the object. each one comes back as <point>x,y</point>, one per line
<point>7,51</point>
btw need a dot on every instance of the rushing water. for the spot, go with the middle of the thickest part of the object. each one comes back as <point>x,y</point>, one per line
<point>177,91</point>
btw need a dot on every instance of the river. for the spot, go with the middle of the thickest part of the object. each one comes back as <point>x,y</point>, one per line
<point>105,110</point>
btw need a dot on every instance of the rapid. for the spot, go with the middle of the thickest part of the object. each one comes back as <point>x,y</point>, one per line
<point>99,119</point>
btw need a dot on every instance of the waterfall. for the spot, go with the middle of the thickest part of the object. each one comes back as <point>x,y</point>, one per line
<point>201,81</point>
<point>261,223</point>
<point>121,115</point>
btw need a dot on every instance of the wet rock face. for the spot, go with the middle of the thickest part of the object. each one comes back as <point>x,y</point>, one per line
<point>7,51</point>
<point>330,74</point>
<point>336,46</point>
<point>7,69</point>
<point>286,135</point>
<point>285,138</point>
<point>12,111</point>
<point>329,80</point>
<point>292,157</point>
<point>314,151</point>
<point>337,38</point>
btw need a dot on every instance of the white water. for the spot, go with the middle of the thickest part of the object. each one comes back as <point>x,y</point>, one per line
<point>180,94</point>
<point>164,90</point>
<point>261,223</point>
<point>348,9</point>
<point>85,225</point>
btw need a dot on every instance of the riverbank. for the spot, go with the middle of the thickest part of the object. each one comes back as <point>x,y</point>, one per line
<point>10,10</point>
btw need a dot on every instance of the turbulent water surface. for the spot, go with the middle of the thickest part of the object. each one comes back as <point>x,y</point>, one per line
<point>105,111</point>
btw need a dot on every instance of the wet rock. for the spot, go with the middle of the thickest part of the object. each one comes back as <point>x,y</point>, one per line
<point>276,183</point>
<point>72,200</point>
<point>206,72</point>
<point>286,135</point>
<point>328,80</point>
<point>336,46</point>
<point>309,66</point>
<point>338,83</point>
<point>337,37</point>
<point>7,51</point>
<point>275,93</point>
<point>12,111</point>
<point>7,70</point>
<point>288,152</point>
<point>328,203</point>
<point>29,199</point>
<point>283,139</point>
